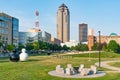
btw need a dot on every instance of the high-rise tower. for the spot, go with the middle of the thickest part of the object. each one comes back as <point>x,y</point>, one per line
<point>63,23</point>
<point>83,33</point>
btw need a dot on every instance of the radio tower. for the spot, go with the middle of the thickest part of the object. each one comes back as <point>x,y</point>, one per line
<point>37,22</point>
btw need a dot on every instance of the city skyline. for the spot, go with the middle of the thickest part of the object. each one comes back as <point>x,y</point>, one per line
<point>100,15</point>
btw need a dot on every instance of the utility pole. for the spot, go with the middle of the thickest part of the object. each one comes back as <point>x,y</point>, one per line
<point>99,47</point>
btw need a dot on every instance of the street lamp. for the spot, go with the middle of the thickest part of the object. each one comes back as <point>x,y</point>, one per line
<point>99,47</point>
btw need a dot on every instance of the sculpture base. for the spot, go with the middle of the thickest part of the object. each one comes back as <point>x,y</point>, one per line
<point>98,74</point>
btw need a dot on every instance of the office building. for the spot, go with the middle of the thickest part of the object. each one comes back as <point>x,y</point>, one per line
<point>30,37</point>
<point>55,41</point>
<point>83,33</point>
<point>63,23</point>
<point>91,39</point>
<point>103,39</point>
<point>9,27</point>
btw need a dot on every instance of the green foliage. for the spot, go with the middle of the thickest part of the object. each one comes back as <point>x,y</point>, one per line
<point>72,48</point>
<point>113,46</point>
<point>1,44</point>
<point>36,45</point>
<point>55,47</point>
<point>29,46</point>
<point>84,47</point>
<point>43,46</point>
<point>10,47</point>
<point>40,45</point>
<point>95,46</point>
<point>80,47</point>
<point>104,48</point>
<point>65,47</point>
<point>20,47</point>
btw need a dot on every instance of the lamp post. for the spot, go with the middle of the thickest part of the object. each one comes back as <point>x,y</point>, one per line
<point>99,47</point>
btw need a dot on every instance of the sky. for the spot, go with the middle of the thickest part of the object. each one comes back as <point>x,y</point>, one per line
<point>100,15</point>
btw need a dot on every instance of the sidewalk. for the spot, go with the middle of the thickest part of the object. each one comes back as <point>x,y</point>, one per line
<point>105,64</point>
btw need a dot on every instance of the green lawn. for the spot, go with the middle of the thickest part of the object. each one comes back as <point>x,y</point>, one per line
<point>37,67</point>
<point>116,64</point>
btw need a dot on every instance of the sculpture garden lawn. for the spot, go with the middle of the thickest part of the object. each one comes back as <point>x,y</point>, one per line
<point>37,67</point>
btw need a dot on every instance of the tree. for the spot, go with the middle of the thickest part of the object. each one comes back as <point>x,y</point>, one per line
<point>10,47</point>
<point>78,47</point>
<point>59,48</point>
<point>36,45</point>
<point>45,45</point>
<point>84,47</point>
<point>113,46</point>
<point>95,46</point>
<point>40,45</point>
<point>73,48</point>
<point>20,47</point>
<point>65,47</point>
<point>104,47</point>
<point>29,46</point>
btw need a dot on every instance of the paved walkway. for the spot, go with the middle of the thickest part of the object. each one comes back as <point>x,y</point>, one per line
<point>105,64</point>
<point>81,52</point>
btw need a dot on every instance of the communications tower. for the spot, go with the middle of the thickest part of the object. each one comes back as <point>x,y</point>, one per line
<point>37,21</point>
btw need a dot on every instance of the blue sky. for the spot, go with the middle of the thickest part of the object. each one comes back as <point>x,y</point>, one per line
<point>103,15</point>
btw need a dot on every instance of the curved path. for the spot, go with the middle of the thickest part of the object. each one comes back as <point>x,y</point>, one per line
<point>105,64</point>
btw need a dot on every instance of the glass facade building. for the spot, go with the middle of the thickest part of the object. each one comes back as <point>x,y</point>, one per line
<point>15,28</point>
<point>8,29</point>
<point>29,37</point>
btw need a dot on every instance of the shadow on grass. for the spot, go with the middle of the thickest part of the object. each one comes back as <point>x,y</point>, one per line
<point>29,60</point>
<point>32,60</point>
<point>3,61</point>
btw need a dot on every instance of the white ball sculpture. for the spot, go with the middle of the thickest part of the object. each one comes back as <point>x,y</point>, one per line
<point>23,55</point>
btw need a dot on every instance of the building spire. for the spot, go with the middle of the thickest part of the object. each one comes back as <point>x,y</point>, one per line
<point>63,6</point>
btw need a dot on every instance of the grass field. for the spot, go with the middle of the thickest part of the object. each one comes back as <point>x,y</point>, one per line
<point>116,64</point>
<point>37,67</point>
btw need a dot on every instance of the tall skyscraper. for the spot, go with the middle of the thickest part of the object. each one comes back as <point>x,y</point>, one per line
<point>83,33</point>
<point>63,23</point>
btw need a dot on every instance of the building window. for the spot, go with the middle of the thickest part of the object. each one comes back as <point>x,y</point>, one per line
<point>6,25</point>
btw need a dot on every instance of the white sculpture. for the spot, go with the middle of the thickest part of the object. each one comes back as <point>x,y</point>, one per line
<point>23,55</point>
<point>84,72</point>
<point>69,71</point>
<point>94,69</point>
<point>82,66</point>
<point>59,69</point>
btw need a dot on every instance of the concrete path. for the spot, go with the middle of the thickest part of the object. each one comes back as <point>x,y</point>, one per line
<point>105,64</point>
<point>82,52</point>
